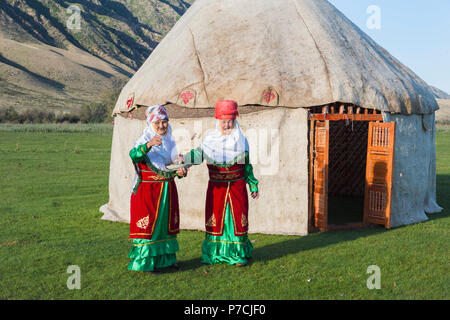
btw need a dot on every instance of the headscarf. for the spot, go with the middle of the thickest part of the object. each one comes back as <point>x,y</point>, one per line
<point>166,153</point>
<point>221,148</point>
<point>226,110</point>
<point>156,113</point>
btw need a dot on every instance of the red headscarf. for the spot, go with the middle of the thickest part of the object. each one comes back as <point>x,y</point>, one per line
<point>226,110</point>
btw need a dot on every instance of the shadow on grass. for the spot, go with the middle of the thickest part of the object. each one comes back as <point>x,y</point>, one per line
<point>311,242</point>
<point>442,198</point>
<point>296,245</point>
<point>443,190</point>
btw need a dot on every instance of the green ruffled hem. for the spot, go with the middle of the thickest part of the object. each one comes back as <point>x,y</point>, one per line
<point>148,256</point>
<point>228,252</point>
<point>152,263</point>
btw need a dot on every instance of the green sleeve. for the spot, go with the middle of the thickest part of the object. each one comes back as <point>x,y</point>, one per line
<point>249,177</point>
<point>195,156</point>
<point>138,154</point>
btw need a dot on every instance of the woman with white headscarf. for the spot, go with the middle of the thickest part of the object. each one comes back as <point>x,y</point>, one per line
<point>154,213</point>
<point>226,152</point>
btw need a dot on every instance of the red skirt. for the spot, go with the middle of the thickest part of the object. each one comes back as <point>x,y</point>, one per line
<point>226,185</point>
<point>146,202</point>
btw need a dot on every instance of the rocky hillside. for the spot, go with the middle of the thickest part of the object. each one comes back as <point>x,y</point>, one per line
<point>58,53</point>
<point>439,94</point>
<point>443,114</point>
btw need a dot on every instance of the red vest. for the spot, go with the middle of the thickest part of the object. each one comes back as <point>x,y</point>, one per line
<point>226,185</point>
<point>145,204</point>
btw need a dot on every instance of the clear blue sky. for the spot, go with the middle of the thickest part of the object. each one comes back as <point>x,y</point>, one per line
<point>416,32</point>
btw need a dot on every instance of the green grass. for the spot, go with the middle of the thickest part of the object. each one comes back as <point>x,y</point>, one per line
<point>52,184</point>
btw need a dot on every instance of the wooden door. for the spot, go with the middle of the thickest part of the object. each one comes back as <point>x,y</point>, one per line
<point>321,157</point>
<point>379,173</point>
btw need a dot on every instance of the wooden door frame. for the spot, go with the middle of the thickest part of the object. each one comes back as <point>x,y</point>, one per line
<point>313,118</point>
<point>311,128</point>
<point>321,151</point>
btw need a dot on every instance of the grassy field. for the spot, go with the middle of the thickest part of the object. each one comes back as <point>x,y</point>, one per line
<point>53,181</point>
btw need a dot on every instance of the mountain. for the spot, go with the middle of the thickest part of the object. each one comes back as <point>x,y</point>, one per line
<point>443,114</point>
<point>61,54</point>
<point>439,94</point>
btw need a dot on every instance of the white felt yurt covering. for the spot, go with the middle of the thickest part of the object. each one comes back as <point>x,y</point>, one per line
<point>285,55</point>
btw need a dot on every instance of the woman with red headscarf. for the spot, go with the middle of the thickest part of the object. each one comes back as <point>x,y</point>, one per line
<point>154,214</point>
<point>226,152</point>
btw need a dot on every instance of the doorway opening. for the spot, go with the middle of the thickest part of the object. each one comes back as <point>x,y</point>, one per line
<point>351,153</point>
<point>347,172</point>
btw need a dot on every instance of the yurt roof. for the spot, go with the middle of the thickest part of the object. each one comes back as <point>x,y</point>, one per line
<point>291,53</point>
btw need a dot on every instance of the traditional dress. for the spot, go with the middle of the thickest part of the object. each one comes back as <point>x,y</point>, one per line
<point>154,213</point>
<point>226,209</point>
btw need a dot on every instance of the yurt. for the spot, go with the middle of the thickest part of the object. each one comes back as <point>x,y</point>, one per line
<point>341,133</point>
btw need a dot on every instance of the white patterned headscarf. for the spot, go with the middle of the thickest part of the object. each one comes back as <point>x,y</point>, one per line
<point>156,113</point>
<point>166,153</point>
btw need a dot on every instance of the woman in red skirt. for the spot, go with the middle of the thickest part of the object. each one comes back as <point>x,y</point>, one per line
<point>226,151</point>
<point>154,213</point>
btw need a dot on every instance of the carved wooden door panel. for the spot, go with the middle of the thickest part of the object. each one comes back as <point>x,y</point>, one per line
<point>379,173</point>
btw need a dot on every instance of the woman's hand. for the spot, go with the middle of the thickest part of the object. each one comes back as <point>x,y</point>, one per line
<point>156,141</point>
<point>255,195</point>
<point>182,172</point>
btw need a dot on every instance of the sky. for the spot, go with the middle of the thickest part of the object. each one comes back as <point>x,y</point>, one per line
<point>416,32</point>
